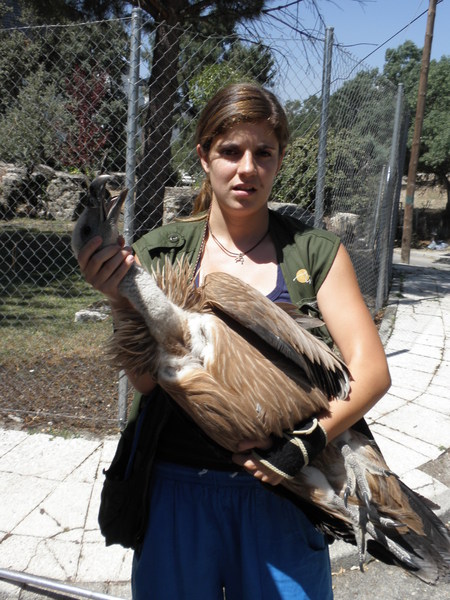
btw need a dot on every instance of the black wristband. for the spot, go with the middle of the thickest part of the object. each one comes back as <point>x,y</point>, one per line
<point>296,449</point>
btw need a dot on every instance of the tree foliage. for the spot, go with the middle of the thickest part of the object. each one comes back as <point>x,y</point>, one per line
<point>21,140</point>
<point>358,145</point>
<point>50,63</point>
<point>403,66</point>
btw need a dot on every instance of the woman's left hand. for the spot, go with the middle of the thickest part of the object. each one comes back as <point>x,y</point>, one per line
<point>253,465</point>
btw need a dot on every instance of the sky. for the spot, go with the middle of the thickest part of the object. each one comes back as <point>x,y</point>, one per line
<point>364,27</point>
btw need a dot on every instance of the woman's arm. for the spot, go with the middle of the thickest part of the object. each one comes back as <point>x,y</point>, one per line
<point>354,333</point>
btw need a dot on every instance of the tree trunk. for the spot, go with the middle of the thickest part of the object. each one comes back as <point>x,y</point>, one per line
<point>155,171</point>
<point>447,187</point>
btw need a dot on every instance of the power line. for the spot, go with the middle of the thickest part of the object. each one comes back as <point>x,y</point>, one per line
<point>388,39</point>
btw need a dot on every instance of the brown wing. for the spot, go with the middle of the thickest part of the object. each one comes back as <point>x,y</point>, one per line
<point>245,389</point>
<point>254,311</point>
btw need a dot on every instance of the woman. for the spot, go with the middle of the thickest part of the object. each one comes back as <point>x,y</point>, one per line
<point>212,528</point>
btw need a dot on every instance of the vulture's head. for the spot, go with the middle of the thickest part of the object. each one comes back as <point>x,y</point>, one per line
<point>100,217</point>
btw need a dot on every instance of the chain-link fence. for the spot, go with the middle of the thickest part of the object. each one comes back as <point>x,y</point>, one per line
<point>122,97</point>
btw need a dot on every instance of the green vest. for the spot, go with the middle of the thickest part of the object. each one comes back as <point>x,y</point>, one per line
<point>305,254</point>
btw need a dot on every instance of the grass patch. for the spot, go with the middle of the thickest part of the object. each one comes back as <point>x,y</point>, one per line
<point>53,375</point>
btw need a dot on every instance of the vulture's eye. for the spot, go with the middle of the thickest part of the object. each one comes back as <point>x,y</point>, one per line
<point>85,230</point>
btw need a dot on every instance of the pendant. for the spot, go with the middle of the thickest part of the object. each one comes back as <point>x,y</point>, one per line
<point>239,258</point>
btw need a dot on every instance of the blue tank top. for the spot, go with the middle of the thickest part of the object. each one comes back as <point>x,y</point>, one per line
<point>280,292</point>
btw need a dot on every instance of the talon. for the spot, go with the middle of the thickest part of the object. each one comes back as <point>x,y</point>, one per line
<point>367,501</point>
<point>346,495</point>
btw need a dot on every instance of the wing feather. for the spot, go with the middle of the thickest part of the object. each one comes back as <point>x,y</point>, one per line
<point>276,327</point>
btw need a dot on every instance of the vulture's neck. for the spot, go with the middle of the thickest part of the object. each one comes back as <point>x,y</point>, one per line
<point>163,318</point>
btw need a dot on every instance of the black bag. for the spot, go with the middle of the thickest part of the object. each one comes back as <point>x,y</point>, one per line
<point>124,501</point>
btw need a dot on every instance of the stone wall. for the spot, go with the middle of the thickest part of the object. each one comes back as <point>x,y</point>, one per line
<point>43,192</point>
<point>48,194</point>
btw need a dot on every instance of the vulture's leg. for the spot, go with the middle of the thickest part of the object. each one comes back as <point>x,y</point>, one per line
<point>361,525</point>
<point>357,485</point>
<point>353,514</point>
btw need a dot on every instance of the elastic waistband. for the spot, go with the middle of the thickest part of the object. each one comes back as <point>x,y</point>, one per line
<point>207,477</point>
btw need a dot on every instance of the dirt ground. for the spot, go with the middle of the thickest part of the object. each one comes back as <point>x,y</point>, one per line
<point>67,396</point>
<point>426,196</point>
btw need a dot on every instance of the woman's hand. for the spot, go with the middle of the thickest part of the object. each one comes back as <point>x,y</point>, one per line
<point>253,465</point>
<point>104,268</point>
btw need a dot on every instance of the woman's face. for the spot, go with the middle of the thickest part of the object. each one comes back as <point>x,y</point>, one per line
<point>242,164</point>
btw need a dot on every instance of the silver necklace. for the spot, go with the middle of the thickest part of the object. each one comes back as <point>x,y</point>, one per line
<point>238,256</point>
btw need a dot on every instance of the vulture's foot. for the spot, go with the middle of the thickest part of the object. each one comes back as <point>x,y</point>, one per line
<point>364,514</point>
<point>356,467</point>
<point>352,513</point>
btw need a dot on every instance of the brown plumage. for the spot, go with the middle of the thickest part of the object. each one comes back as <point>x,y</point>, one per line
<point>227,385</point>
<point>242,368</point>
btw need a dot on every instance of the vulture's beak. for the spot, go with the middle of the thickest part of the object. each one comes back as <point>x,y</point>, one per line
<point>100,197</point>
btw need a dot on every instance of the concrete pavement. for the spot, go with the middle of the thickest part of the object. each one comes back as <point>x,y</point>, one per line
<point>50,486</point>
<point>411,423</point>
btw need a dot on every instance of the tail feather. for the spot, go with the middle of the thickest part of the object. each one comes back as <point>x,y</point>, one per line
<point>415,553</point>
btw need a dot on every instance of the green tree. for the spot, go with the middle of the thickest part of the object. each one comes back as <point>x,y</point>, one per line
<point>436,131</point>
<point>358,145</point>
<point>350,167</point>
<point>363,105</point>
<point>303,116</point>
<point>21,140</point>
<point>58,55</point>
<point>403,65</point>
<point>296,182</point>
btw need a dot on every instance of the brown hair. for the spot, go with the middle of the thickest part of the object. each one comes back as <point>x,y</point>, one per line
<point>233,104</point>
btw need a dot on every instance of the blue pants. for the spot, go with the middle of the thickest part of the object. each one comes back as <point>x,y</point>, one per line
<point>215,534</point>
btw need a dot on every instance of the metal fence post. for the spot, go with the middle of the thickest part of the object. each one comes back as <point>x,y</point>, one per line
<point>130,177</point>
<point>390,198</point>
<point>322,153</point>
<point>402,143</point>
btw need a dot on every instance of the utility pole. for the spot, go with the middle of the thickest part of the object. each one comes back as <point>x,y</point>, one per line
<point>412,169</point>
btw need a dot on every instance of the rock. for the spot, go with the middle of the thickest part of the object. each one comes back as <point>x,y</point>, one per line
<point>90,315</point>
<point>13,189</point>
<point>45,193</point>
<point>178,202</point>
<point>65,195</point>
<point>344,224</point>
